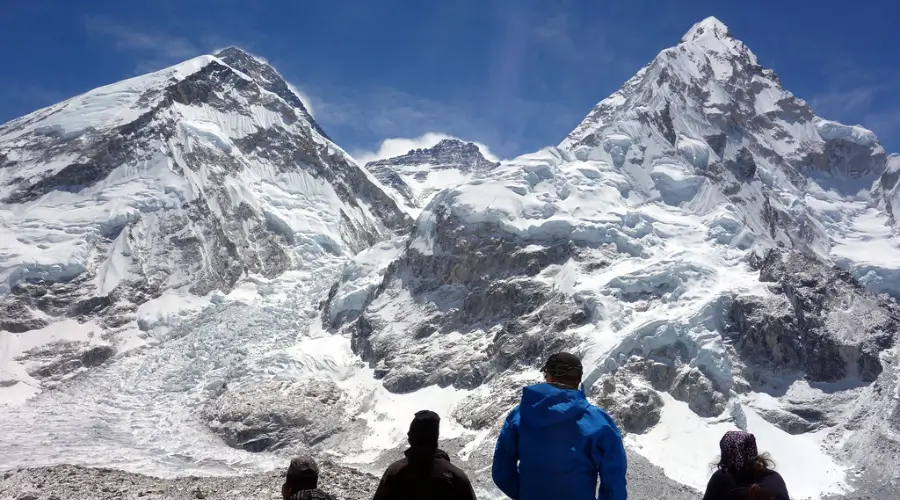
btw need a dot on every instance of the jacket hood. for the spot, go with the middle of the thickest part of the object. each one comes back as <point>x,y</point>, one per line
<point>546,404</point>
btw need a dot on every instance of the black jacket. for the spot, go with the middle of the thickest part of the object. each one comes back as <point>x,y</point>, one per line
<point>726,485</point>
<point>425,474</point>
<point>313,494</point>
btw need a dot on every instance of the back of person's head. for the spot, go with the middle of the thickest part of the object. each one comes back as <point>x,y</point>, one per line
<point>424,430</point>
<point>302,474</point>
<point>740,455</point>
<point>564,369</point>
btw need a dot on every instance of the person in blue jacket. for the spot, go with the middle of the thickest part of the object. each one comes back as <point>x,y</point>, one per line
<point>556,444</point>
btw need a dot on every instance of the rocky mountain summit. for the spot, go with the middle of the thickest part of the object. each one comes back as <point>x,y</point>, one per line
<point>447,153</point>
<point>415,177</point>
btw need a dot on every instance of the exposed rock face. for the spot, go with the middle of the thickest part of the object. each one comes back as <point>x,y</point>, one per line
<point>273,415</point>
<point>887,190</point>
<point>488,409</point>
<point>692,387</point>
<point>268,79</point>
<point>821,321</point>
<point>63,358</point>
<point>485,287</point>
<point>634,408</point>
<point>801,421</point>
<point>16,317</point>
<point>874,423</point>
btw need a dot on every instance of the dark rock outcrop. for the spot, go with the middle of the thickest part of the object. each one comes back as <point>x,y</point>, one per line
<point>270,416</point>
<point>821,322</point>
<point>635,409</point>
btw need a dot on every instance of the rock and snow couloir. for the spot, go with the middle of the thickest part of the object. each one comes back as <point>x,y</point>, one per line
<point>719,255</point>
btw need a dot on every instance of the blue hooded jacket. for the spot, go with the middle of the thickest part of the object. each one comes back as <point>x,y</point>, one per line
<point>555,444</point>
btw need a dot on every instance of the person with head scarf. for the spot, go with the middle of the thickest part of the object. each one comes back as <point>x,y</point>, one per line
<point>556,444</point>
<point>302,481</point>
<point>743,473</point>
<point>426,472</point>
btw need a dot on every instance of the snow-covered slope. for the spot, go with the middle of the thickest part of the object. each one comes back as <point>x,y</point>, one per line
<point>414,178</point>
<point>682,239</point>
<point>174,184</point>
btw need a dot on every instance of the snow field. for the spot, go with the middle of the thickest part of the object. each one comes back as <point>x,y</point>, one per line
<point>140,414</point>
<point>16,385</point>
<point>686,446</point>
<point>104,107</point>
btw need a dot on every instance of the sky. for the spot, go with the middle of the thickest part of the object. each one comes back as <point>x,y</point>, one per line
<point>514,75</point>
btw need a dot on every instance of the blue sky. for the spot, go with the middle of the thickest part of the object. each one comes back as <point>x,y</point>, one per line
<point>513,74</point>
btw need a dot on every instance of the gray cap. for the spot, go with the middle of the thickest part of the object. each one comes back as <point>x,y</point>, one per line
<point>303,466</point>
<point>563,364</point>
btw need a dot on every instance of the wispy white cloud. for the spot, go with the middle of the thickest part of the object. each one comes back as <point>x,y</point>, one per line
<point>846,100</point>
<point>886,124</point>
<point>304,98</point>
<point>157,49</point>
<point>567,40</point>
<point>149,42</point>
<point>390,148</point>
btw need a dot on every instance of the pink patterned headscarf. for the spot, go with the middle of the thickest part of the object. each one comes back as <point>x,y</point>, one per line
<point>738,449</point>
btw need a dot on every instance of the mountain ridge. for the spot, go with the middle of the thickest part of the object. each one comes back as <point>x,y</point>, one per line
<point>269,78</point>
<point>415,177</point>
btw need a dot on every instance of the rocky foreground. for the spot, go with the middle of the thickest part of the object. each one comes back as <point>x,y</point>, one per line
<point>69,482</point>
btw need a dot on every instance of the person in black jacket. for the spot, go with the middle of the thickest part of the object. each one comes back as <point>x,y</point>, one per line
<point>743,473</point>
<point>426,472</point>
<point>302,480</point>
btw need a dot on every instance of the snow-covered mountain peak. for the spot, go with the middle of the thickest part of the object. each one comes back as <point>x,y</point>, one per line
<point>415,177</point>
<point>179,183</point>
<point>712,37</point>
<point>709,28</point>
<point>709,95</point>
<point>268,78</point>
